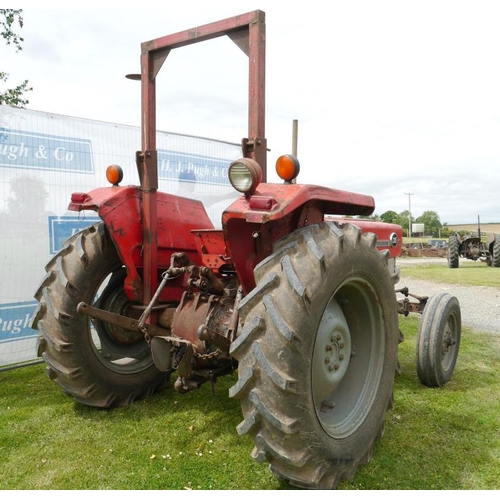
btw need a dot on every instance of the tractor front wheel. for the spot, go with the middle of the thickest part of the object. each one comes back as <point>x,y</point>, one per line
<point>97,363</point>
<point>317,354</point>
<point>438,340</point>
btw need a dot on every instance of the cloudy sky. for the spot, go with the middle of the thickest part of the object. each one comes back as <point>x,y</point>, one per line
<point>396,99</point>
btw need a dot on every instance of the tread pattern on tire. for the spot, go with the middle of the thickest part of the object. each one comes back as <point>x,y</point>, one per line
<point>495,254</point>
<point>453,252</point>
<point>61,328</point>
<point>271,354</point>
<point>430,342</point>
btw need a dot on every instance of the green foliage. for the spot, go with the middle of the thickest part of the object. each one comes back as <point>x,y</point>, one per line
<point>430,219</point>
<point>8,34</point>
<point>13,96</point>
<point>390,217</point>
<point>404,220</point>
<point>431,222</point>
<point>446,231</point>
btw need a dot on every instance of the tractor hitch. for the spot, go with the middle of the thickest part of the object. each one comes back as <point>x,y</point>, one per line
<point>405,306</point>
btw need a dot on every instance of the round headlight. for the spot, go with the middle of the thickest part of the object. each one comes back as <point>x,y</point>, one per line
<point>245,175</point>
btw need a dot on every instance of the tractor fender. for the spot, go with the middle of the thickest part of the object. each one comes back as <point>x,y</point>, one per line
<point>490,239</point>
<point>120,208</point>
<point>275,201</point>
<point>253,223</point>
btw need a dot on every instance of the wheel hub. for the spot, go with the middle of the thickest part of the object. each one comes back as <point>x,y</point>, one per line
<point>332,352</point>
<point>118,303</point>
<point>449,342</point>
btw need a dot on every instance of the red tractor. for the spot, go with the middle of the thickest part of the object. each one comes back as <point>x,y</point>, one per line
<point>296,298</point>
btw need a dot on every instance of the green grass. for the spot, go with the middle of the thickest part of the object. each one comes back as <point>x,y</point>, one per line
<point>469,273</point>
<point>444,438</point>
<point>170,441</point>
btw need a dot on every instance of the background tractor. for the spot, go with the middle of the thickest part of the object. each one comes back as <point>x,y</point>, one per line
<point>296,293</point>
<point>473,247</point>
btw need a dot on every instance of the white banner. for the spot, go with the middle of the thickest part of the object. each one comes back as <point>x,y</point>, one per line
<point>46,157</point>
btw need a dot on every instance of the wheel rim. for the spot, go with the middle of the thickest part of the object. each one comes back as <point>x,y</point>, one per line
<point>348,358</point>
<point>449,346</point>
<point>122,351</point>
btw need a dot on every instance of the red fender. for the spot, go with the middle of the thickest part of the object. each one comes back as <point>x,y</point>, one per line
<point>252,224</point>
<point>120,209</point>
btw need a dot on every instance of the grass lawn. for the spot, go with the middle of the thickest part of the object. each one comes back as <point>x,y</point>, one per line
<point>444,438</point>
<point>469,273</point>
<point>435,439</point>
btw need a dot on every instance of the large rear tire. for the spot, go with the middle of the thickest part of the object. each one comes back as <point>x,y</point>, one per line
<point>318,354</point>
<point>453,252</point>
<point>98,364</point>
<point>495,254</point>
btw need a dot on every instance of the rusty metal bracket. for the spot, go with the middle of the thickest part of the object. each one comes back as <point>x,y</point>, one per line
<point>405,306</point>
<point>147,162</point>
<point>256,148</point>
<point>118,320</point>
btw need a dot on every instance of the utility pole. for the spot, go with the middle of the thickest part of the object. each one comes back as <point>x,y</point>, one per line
<point>409,213</point>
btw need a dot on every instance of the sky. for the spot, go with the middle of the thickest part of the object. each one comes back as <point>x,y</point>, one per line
<point>396,99</point>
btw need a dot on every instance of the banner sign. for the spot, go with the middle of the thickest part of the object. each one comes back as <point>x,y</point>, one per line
<point>44,159</point>
<point>15,321</point>
<point>61,228</point>
<point>192,168</point>
<point>46,152</point>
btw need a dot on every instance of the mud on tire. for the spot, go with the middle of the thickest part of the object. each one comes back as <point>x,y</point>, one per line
<point>318,354</point>
<point>95,363</point>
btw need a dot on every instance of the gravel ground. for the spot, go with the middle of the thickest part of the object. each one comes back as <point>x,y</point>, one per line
<point>480,305</point>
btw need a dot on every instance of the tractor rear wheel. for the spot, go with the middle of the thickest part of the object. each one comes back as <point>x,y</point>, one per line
<point>97,363</point>
<point>438,340</point>
<point>495,254</point>
<point>453,252</point>
<point>317,354</point>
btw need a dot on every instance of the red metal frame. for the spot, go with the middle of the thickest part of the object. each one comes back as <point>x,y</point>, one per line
<point>151,225</point>
<point>248,32</point>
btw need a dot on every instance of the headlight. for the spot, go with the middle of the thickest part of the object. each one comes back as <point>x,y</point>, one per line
<point>245,175</point>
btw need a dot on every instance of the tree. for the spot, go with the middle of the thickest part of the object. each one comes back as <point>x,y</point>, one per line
<point>390,217</point>
<point>13,96</point>
<point>431,222</point>
<point>404,221</point>
<point>445,231</point>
